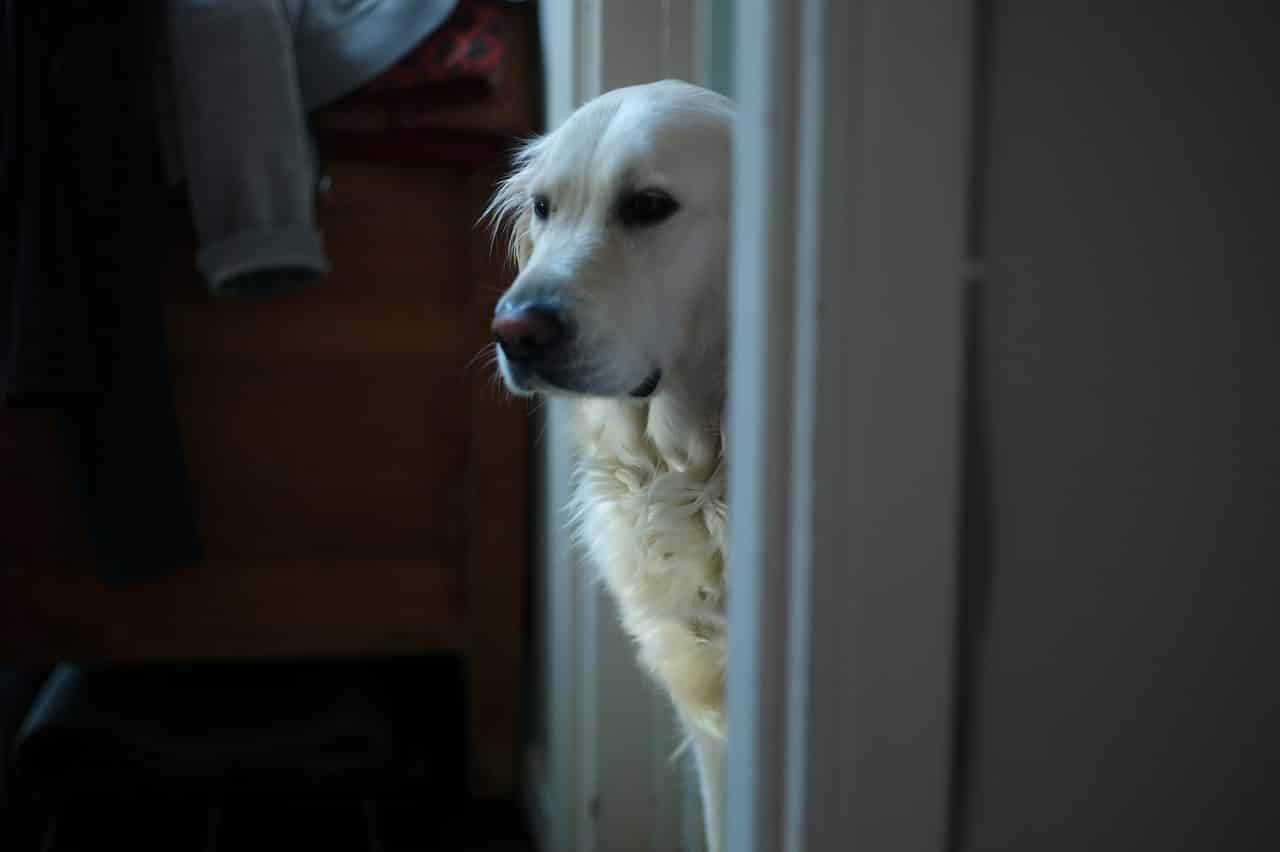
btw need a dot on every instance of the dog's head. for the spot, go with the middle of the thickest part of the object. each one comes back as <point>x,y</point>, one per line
<point>619,225</point>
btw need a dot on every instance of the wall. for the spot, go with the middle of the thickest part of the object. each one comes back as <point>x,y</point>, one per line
<point>1126,690</point>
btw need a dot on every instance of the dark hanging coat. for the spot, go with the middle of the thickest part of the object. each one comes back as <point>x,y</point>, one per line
<point>82,205</point>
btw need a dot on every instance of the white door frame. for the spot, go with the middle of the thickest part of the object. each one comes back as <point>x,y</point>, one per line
<point>846,319</point>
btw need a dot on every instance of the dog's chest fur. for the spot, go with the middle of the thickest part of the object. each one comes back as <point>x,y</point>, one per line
<point>649,507</point>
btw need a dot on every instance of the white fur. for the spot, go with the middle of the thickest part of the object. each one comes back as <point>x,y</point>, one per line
<point>649,494</point>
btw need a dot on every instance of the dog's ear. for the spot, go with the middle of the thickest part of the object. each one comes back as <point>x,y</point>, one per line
<point>509,212</point>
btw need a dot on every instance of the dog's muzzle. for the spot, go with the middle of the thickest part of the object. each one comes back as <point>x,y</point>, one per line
<point>537,343</point>
<point>531,335</point>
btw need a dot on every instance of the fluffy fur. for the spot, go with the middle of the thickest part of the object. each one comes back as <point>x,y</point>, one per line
<point>649,495</point>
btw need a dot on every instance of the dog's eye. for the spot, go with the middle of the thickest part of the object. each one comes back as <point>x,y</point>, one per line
<point>541,206</point>
<point>647,207</point>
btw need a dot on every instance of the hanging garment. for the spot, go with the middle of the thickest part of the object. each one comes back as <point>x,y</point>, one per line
<point>241,77</point>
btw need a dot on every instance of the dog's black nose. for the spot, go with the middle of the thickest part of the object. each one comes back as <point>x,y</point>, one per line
<point>528,333</point>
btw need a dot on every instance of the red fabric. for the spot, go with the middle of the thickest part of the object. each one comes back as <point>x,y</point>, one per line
<point>456,63</point>
<point>461,96</point>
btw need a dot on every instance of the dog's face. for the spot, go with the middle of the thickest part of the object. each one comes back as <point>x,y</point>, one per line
<point>620,225</point>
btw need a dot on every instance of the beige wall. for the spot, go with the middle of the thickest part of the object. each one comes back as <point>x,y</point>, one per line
<point>1127,692</point>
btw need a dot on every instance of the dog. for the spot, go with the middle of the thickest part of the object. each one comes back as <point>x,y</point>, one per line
<point>619,225</point>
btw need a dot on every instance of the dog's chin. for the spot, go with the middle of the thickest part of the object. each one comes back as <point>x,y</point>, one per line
<point>525,382</point>
<point>518,381</point>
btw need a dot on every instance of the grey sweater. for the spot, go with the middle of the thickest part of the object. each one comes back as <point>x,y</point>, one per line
<point>234,88</point>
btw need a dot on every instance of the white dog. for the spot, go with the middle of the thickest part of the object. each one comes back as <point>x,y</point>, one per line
<point>619,222</point>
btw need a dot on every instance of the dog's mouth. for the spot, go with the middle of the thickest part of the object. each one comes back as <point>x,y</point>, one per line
<point>523,380</point>
<point>646,388</point>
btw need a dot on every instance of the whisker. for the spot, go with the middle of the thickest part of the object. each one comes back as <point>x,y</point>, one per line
<point>486,357</point>
<point>498,388</point>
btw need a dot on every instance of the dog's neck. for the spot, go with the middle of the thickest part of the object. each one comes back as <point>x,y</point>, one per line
<point>686,435</point>
<point>680,427</point>
<point>684,420</point>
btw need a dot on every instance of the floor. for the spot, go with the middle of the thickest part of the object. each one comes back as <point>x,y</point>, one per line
<point>395,727</point>
<point>249,825</point>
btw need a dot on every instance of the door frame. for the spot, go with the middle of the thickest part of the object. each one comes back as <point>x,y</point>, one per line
<point>851,170</point>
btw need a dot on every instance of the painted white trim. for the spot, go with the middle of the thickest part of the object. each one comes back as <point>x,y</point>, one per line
<point>846,317</point>
<point>760,419</point>
<point>539,797</point>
